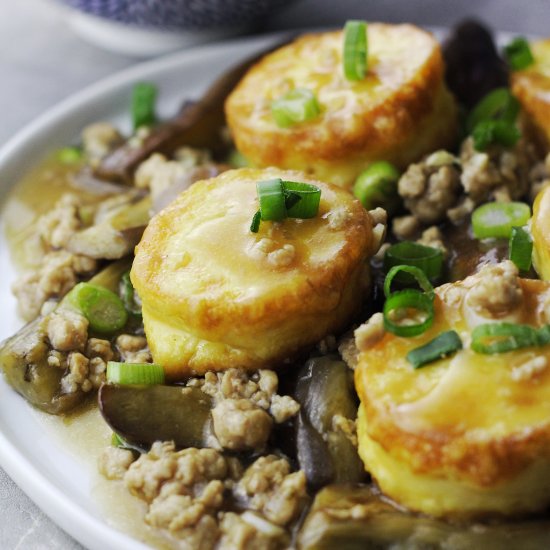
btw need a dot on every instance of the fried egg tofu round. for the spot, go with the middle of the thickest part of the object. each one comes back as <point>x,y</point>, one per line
<point>532,87</point>
<point>468,435</point>
<point>398,112</point>
<point>540,230</point>
<point>216,296</point>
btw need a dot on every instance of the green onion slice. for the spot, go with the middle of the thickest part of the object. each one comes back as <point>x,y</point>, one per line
<point>441,346</point>
<point>272,199</point>
<point>70,155</point>
<point>104,310</point>
<point>142,374</point>
<point>255,224</point>
<point>377,186</point>
<point>308,199</point>
<point>496,219</point>
<point>298,105</point>
<point>426,258</point>
<point>355,50</point>
<point>144,97</point>
<point>488,132</point>
<point>128,295</point>
<point>491,338</point>
<point>521,248</point>
<point>499,104</point>
<point>418,275</point>
<point>408,299</point>
<point>518,54</point>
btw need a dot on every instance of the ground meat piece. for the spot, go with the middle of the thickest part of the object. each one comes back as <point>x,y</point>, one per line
<point>100,138</point>
<point>347,426</point>
<point>349,352</point>
<point>133,349</point>
<point>260,388</point>
<point>495,290</point>
<point>499,173</point>
<point>240,425</point>
<point>272,490</point>
<point>113,462</point>
<point>57,226</point>
<point>57,274</point>
<point>182,488</point>
<point>405,227</point>
<point>370,332</point>
<point>429,188</point>
<point>434,238</point>
<point>157,173</point>
<point>379,218</point>
<point>77,375</point>
<point>67,330</point>
<point>462,210</point>
<point>191,157</point>
<point>96,347</point>
<point>251,532</point>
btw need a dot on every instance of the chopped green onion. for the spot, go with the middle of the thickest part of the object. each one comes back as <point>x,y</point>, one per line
<point>521,248</point>
<point>255,225</point>
<point>272,199</point>
<point>416,272</point>
<point>499,104</point>
<point>438,348</point>
<point>518,54</point>
<point>488,132</point>
<point>285,199</point>
<point>298,105</point>
<point>104,310</point>
<point>355,50</point>
<point>410,299</point>
<point>144,96</point>
<point>142,374</point>
<point>309,197</point>
<point>496,219</point>
<point>118,441</point>
<point>70,155</point>
<point>426,258</point>
<point>491,338</point>
<point>377,186</point>
<point>128,295</point>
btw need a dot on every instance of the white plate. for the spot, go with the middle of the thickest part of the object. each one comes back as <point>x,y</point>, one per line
<point>58,481</point>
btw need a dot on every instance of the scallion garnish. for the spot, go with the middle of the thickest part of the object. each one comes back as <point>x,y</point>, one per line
<point>441,346</point>
<point>408,299</point>
<point>491,338</point>
<point>488,132</point>
<point>518,54</point>
<point>499,104</point>
<point>521,248</point>
<point>426,258</point>
<point>144,96</point>
<point>298,105</point>
<point>285,199</point>
<point>377,186</point>
<point>272,199</point>
<point>128,295</point>
<point>70,155</point>
<point>416,272</point>
<point>142,374</point>
<point>104,310</point>
<point>309,197</point>
<point>355,50</point>
<point>496,219</point>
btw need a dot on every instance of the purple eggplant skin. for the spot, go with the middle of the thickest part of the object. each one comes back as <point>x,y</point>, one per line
<point>23,360</point>
<point>325,389</point>
<point>329,525</point>
<point>473,66</point>
<point>142,415</point>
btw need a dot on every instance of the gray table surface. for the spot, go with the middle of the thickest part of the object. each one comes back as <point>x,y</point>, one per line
<point>42,61</point>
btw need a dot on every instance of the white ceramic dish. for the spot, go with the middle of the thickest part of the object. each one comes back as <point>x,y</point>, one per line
<point>56,480</point>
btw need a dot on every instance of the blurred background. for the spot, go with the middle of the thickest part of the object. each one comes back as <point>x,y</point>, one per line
<point>49,50</point>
